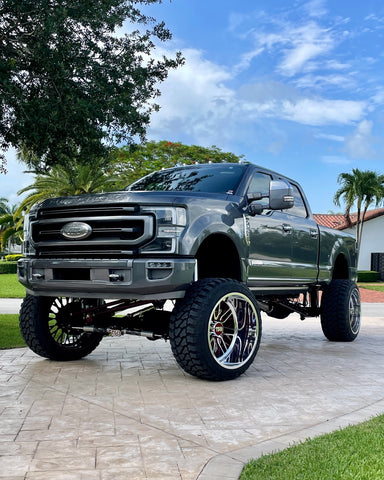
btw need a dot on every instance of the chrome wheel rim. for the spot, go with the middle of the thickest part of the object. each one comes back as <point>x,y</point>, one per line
<point>233,330</point>
<point>354,311</point>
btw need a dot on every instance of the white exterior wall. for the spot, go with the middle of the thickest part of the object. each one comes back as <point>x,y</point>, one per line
<point>372,241</point>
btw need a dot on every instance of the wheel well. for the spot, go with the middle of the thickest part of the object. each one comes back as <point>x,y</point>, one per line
<point>340,270</point>
<point>217,257</point>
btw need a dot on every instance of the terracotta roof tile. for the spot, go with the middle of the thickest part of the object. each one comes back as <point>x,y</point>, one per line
<point>339,222</point>
<point>331,221</point>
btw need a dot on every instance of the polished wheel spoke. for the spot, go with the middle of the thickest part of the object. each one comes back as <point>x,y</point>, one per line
<point>233,330</point>
<point>354,311</point>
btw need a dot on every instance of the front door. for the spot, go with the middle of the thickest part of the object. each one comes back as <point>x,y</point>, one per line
<point>305,240</point>
<point>270,240</point>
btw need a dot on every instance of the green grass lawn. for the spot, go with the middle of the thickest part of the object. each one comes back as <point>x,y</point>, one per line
<point>10,336</point>
<point>10,287</point>
<point>379,287</point>
<point>354,453</point>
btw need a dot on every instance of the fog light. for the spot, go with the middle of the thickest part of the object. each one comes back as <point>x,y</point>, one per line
<point>159,265</point>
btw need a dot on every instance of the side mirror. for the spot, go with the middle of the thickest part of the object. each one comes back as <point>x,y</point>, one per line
<point>252,197</point>
<point>280,195</point>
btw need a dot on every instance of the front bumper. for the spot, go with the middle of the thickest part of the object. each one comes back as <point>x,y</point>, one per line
<point>147,279</point>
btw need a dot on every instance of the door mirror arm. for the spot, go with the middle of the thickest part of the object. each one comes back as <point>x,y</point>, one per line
<point>253,207</point>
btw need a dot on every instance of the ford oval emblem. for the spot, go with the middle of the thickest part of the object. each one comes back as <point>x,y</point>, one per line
<point>76,230</point>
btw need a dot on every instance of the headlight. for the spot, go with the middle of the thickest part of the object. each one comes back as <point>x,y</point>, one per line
<point>27,248</point>
<point>170,224</point>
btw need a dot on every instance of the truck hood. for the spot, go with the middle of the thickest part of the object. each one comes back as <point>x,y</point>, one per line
<point>123,197</point>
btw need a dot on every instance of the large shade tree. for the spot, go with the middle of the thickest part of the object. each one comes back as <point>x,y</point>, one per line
<point>363,189</point>
<point>115,172</point>
<point>132,162</point>
<point>76,76</point>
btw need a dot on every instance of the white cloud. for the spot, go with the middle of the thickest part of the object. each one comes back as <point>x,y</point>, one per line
<point>378,97</point>
<point>195,101</point>
<point>316,8</point>
<point>246,59</point>
<point>276,100</point>
<point>305,43</point>
<point>333,64</point>
<point>360,145</point>
<point>323,112</point>
<point>200,104</point>
<point>330,136</point>
<point>294,45</point>
<point>335,160</point>
<point>265,91</point>
<point>320,82</point>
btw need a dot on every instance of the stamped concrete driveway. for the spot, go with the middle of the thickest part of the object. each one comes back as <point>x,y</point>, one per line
<point>128,412</point>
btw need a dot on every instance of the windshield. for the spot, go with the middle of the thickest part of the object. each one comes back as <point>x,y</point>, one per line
<point>213,178</point>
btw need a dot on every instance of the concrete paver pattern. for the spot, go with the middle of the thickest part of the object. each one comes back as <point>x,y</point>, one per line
<point>127,411</point>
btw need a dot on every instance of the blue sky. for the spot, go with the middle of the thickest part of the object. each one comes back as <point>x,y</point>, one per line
<point>294,86</point>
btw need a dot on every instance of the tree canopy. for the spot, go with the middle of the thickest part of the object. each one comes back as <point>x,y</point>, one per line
<point>114,172</point>
<point>133,162</point>
<point>73,179</point>
<point>71,85</point>
<point>363,188</point>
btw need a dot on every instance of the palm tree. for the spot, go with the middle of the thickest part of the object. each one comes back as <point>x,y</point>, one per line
<point>3,205</point>
<point>363,188</point>
<point>60,181</point>
<point>11,226</point>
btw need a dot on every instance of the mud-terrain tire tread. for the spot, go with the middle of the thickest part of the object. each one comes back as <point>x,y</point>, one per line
<point>188,332</point>
<point>33,322</point>
<point>335,321</point>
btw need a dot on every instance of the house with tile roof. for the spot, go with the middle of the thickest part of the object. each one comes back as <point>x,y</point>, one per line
<point>372,240</point>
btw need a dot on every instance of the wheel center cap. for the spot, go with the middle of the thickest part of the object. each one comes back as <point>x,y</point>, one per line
<point>219,329</point>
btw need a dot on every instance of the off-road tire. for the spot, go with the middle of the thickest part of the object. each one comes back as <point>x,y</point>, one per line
<point>340,311</point>
<point>45,332</point>
<point>215,329</point>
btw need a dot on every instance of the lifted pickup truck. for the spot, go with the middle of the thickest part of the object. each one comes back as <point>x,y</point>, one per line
<point>191,254</point>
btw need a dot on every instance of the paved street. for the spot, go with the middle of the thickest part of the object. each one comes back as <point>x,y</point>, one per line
<point>128,412</point>
<point>10,305</point>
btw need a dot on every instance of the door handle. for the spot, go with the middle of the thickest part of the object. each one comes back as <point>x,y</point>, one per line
<point>314,233</point>
<point>287,228</point>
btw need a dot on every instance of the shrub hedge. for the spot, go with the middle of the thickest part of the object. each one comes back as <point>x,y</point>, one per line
<point>13,257</point>
<point>367,276</point>
<point>8,267</point>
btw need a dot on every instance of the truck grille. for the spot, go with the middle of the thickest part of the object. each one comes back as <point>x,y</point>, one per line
<point>116,231</point>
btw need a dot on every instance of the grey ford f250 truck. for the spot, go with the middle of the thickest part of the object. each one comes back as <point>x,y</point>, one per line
<point>191,254</point>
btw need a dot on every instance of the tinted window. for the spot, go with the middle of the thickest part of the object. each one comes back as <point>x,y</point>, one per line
<point>299,208</point>
<point>208,179</point>
<point>260,184</point>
